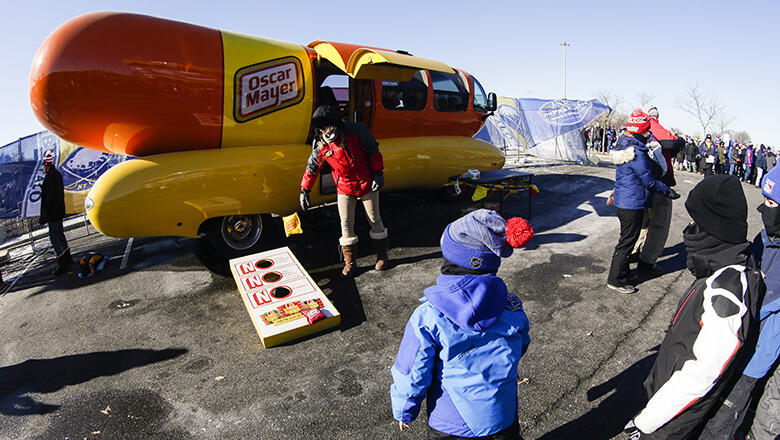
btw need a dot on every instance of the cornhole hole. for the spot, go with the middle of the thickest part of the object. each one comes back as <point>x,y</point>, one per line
<point>277,292</point>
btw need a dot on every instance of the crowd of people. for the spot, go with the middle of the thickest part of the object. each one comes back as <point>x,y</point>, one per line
<point>706,156</point>
<point>744,160</point>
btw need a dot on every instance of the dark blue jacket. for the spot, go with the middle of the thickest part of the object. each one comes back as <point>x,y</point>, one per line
<point>767,252</point>
<point>634,177</point>
<point>760,159</point>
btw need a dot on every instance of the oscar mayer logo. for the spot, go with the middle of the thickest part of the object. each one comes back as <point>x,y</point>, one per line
<point>266,87</point>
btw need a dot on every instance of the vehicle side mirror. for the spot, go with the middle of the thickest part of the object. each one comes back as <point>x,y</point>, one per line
<point>492,102</point>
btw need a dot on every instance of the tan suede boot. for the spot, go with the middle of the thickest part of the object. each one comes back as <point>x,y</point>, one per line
<point>381,254</point>
<point>350,265</point>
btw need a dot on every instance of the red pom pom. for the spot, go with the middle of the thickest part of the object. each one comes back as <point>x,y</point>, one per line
<point>518,232</point>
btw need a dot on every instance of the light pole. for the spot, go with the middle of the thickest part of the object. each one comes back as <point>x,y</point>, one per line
<point>565,45</point>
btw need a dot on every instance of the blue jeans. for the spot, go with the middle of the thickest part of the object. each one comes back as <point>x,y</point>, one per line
<point>57,237</point>
<point>733,169</point>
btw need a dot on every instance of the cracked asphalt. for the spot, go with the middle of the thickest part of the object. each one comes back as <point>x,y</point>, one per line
<point>164,349</point>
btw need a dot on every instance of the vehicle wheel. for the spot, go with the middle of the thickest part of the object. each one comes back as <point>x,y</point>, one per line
<point>236,235</point>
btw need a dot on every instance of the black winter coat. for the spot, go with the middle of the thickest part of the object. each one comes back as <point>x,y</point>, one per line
<point>717,315</point>
<point>52,197</point>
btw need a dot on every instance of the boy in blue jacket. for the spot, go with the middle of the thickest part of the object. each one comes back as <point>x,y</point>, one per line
<point>766,249</point>
<point>461,346</point>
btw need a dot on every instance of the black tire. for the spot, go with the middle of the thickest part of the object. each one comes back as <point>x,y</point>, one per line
<point>238,235</point>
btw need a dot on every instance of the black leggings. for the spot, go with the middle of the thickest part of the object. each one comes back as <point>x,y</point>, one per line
<point>630,227</point>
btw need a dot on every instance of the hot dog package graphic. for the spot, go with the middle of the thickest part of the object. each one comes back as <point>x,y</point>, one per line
<point>282,299</point>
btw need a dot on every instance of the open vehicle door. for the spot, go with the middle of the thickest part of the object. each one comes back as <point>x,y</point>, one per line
<point>361,62</point>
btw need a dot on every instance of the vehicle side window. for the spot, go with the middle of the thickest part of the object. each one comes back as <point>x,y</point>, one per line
<point>449,93</point>
<point>405,95</point>
<point>480,98</point>
<point>334,91</point>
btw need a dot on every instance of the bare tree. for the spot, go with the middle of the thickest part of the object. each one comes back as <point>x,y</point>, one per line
<point>609,98</point>
<point>739,135</point>
<point>701,106</point>
<point>722,124</point>
<point>645,98</point>
<point>612,100</point>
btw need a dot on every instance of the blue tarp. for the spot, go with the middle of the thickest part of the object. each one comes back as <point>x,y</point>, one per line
<point>531,124</point>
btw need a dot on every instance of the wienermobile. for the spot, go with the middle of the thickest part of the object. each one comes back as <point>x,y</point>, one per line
<point>219,122</point>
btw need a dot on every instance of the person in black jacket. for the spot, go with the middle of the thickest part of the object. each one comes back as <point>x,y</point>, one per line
<point>690,156</point>
<point>713,332</point>
<point>53,211</point>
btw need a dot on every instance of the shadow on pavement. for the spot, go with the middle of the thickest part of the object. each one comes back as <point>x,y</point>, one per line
<point>344,294</point>
<point>146,252</point>
<point>676,261</point>
<point>551,237</point>
<point>560,199</point>
<point>49,375</point>
<point>607,420</point>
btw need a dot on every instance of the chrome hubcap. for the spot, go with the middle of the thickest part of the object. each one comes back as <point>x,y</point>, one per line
<point>241,231</point>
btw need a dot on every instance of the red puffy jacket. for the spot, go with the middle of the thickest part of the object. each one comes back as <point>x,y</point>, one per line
<point>666,139</point>
<point>354,163</point>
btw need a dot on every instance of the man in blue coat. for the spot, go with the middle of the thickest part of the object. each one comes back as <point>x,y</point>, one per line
<point>634,182</point>
<point>461,346</point>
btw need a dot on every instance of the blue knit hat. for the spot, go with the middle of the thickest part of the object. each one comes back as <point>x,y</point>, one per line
<point>768,188</point>
<point>476,241</point>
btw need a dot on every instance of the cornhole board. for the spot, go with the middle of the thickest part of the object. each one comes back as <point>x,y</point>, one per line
<point>276,289</point>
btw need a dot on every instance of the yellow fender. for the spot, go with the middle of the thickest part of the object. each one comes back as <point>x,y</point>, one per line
<point>174,193</point>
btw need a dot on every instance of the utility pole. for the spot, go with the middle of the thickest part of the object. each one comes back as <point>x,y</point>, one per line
<point>565,45</point>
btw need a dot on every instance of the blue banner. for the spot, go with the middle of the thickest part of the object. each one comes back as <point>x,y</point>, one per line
<point>527,124</point>
<point>21,173</point>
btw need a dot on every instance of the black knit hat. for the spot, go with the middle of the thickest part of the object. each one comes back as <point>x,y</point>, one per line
<point>718,205</point>
<point>326,116</point>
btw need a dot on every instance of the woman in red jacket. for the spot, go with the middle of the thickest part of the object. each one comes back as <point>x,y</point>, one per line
<point>353,155</point>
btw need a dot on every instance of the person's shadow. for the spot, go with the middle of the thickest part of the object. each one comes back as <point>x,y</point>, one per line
<point>676,261</point>
<point>611,415</point>
<point>50,375</point>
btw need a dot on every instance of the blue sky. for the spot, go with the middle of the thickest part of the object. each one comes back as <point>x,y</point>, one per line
<point>729,48</point>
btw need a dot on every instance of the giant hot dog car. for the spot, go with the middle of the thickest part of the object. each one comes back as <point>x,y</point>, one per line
<point>219,122</point>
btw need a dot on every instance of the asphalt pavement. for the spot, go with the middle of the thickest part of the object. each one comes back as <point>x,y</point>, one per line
<point>164,348</point>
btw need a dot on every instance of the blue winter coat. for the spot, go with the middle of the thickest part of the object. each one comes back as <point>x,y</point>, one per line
<point>768,348</point>
<point>634,177</point>
<point>760,159</point>
<point>460,350</point>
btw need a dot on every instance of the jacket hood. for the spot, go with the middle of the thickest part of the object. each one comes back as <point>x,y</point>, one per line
<point>626,149</point>
<point>470,301</point>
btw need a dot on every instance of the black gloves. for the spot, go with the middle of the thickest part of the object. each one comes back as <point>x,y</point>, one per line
<point>672,194</point>
<point>305,201</point>
<point>378,182</point>
<point>633,432</point>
